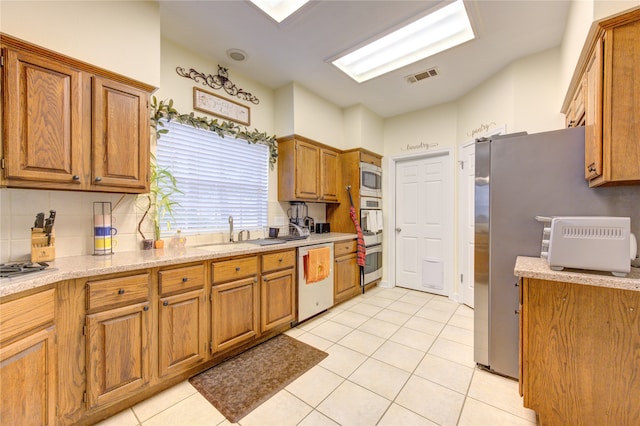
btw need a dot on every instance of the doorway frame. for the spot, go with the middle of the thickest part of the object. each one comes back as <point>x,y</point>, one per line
<point>450,188</point>
<point>460,221</point>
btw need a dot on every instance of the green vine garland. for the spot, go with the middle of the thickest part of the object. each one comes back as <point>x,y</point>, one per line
<point>164,110</point>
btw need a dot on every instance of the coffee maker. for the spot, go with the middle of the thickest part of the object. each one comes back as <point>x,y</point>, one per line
<point>297,212</point>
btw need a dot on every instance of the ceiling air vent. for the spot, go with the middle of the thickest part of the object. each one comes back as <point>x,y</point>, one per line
<point>414,78</point>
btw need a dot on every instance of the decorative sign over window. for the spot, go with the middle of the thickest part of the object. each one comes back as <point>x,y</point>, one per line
<point>211,103</point>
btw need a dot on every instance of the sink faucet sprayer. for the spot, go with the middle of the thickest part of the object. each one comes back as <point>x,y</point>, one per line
<point>230,228</point>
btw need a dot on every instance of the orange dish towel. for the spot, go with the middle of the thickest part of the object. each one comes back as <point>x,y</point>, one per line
<point>318,264</point>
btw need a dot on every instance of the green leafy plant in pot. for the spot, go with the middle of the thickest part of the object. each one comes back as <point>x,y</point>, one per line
<point>159,201</point>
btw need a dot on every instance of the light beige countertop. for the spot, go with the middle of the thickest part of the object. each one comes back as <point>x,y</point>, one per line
<point>68,268</point>
<point>536,267</point>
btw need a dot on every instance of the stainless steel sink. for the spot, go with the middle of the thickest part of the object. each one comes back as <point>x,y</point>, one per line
<point>266,242</point>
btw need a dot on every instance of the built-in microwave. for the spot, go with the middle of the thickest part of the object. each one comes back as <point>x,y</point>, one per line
<point>370,180</point>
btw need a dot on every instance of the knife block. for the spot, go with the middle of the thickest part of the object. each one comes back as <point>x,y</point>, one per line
<point>42,249</point>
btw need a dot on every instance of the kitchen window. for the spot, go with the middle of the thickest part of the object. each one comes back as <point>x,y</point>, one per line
<point>220,177</point>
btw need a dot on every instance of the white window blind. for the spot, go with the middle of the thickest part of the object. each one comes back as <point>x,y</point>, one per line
<point>219,177</point>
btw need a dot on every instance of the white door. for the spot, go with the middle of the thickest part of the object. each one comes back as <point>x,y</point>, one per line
<point>424,218</point>
<point>466,202</point>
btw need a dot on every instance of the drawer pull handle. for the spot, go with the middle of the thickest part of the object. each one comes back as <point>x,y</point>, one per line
<point>280,260</point>
<point>121,291</point>
<point>185,279</point>
<point>146,308</point>
<point>165,303</point>
<point>237,269</point>
<point>76,177</point>
<point>98,179</point>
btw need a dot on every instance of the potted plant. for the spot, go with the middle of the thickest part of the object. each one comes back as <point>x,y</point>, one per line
<point>159,201</point>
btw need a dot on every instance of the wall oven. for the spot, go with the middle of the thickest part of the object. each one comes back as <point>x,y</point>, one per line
<point>371,223</point>
<point>370,180</point>
<point>373,264</point>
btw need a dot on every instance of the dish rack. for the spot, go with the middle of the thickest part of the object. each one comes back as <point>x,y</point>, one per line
<point>546,235</point>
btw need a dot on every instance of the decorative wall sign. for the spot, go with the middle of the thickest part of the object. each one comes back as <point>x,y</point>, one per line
<point>226,108</point>
<point>421,145</point>
<point>218,81</point>
<point>482,129</point>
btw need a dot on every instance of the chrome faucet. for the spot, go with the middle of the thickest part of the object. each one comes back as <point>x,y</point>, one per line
<point>231,229</point>
<point>241,232</point>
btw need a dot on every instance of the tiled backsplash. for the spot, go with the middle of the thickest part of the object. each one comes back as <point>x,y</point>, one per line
<point>74,221</point>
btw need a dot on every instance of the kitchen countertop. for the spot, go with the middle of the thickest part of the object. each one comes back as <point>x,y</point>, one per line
<point>68,268</point>
<point>536,267</point>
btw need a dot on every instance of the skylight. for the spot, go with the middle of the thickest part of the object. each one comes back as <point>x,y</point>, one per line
<point>441,30</point>
<point>279,10</point>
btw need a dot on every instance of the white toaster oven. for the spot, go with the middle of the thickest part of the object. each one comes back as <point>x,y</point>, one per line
<point>598,243</point>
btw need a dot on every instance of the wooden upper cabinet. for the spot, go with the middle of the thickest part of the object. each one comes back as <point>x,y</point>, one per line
<point>42,121</point>
<point>307,170</point>
<point>328,175</point>
<point>593,109</point>
<point>70,125</point>
<point>120,135</point>
<point>609,76</point>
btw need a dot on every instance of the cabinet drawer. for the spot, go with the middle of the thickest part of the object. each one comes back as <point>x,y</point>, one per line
<point>234,269</point>
<point>181,279</point>
<point>345,247</point>
<point>117,291</point>
<point>281,260</point>
<point>27,313</point>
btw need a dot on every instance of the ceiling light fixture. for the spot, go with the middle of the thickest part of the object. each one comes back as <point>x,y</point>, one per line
<point>279,10</point>
<point>441,30</point>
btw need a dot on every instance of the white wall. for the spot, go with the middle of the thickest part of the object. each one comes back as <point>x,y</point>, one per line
<point>316,118</point>
<point>119,36</point>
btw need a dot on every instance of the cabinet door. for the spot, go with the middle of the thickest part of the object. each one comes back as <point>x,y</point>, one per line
<point>278,299</point>
<point>234,312</point>
<point>118,353</point>
<point>593,115</point>
<point>328,175</point>
<point>182,331</point>
<point>28,378</point>
<point>306,171</point>
<point>43,122</point>
<point>120,141</point>
<point>346,277</point>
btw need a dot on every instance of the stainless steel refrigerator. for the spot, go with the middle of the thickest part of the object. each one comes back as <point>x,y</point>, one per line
<point>518,177</point>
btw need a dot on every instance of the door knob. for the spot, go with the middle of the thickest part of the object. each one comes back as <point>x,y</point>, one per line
<point>398,229</point>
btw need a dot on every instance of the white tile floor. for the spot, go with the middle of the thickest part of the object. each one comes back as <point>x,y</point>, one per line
<point>396,357</point>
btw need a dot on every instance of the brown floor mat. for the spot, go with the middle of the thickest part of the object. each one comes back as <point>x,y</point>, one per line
<point>237,386</point>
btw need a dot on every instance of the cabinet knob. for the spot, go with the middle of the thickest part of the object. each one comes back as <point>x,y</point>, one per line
<point>165,303</point>
<point>185,279</point>
<point>237,269</point>
<point>76,178</point>
<point>146,308</point>
<point>121,291</point>
<point>280,260</point>
<point>98,179</point>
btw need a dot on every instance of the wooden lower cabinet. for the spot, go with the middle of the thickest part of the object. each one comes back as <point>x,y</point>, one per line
<point>234,313</point>
<point>580,353</point>
<point>182,332</point>
<point>28,356</point>
<point>346,271</point>
<point>278,299</point>
<point>28,380</point>
<point>118,353</point>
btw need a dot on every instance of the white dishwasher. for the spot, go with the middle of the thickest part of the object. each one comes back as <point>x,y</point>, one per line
<point>313,297</point>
